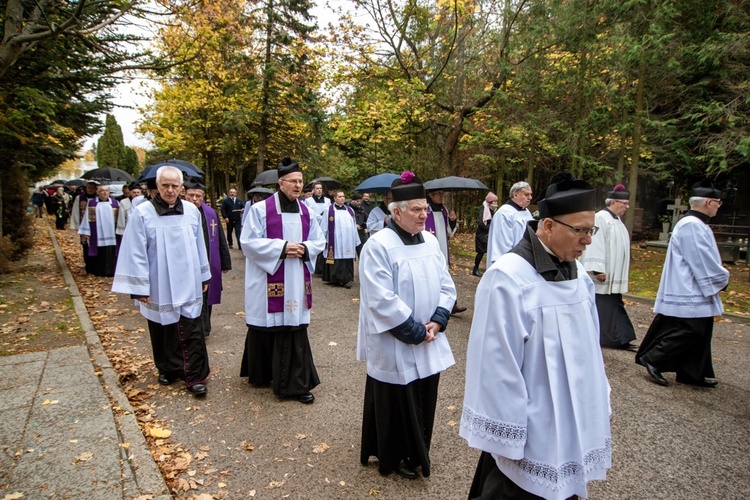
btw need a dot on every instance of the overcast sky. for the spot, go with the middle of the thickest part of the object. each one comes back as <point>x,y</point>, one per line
<point>128,96</point>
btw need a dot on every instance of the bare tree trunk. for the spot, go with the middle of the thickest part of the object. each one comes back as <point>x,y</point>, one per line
<point>265,93</point>
<point>637,127</point>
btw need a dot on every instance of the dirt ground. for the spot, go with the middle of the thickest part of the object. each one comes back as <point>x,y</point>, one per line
<point>243,442</point>
<point>36,311</point>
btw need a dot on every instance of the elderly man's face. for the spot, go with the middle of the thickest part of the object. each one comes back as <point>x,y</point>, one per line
<point>563,240</point>
<point>413,218</point>
<point>102,192</point>
<point>522,198</point>
<point>169,187</point>
<point>291,185</point>
<point>619,207</point>
<point>195,196</point>
<point>232,193</point>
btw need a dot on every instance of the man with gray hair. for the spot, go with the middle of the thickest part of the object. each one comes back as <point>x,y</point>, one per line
<point>679,338</point>
<point>509,222</point>
<point>607,259</point>
<point>164,266</point>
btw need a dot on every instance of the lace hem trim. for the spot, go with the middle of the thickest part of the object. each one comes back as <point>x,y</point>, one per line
<point>555,478</point>
<point>165,308</point>
<point>131,280</point>
<point>507,433</point>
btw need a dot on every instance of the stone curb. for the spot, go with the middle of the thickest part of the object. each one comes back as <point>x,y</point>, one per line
<point>141,465</point>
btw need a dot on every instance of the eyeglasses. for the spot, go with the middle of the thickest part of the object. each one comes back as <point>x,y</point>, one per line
<point>718,202</point>
<point>293,181</point>
<point>578,230</point>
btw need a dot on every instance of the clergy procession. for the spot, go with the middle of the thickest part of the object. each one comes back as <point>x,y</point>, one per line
<point>536,409</point>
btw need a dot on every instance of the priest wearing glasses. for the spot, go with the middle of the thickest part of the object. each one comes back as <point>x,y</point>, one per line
<point>281,240</point>
<point>536,402</point>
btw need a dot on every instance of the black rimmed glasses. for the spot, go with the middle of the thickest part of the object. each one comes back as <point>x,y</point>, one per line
<point>580,230</point>
<point>717,201</point>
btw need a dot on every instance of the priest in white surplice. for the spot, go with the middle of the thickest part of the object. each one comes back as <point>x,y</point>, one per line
<point>163,265</point>
<point>406,294</point>
<point>536,401</point>
<point>442,224</point>
<point>98,227</point>
<point>607,259</point>
<point>679,338</point>
<point>281,240</point>
<point>380,215</point>
<point>509,222</point>
<point>342,240</point>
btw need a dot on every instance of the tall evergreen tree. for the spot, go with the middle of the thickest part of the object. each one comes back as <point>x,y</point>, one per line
<point>110,148</point>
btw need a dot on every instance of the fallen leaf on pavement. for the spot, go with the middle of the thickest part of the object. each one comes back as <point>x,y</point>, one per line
<point>320,448</point>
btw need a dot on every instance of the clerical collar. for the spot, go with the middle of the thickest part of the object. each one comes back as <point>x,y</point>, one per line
<point>339,207</point>
<point>541,258</point>
<point>611,213</point>
<point>99,199</point>
<point>319,199</point>
<point>436,207</point>
<point>288,206</point>
<point>406,238</point>
<point>514,205</point>
<point>703,217</point>
<point>163,208</point>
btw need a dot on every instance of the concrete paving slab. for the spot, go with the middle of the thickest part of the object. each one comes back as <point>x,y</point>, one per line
<point>17,397</point>
<point>15,374</point>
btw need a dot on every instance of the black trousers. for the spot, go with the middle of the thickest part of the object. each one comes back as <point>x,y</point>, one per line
<point>235,226</point>
<point>180,350</point>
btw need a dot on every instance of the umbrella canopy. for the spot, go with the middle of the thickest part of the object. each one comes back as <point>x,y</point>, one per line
<point>454,184</point>
<point>328,181</point>
<point>58,181</point>
<point>377,183</point>
<point>265,192</point>
<point>266,178</point>
<point>150,171</point>
<point>75,183</point>
<point>108,175</point>
<point>185,163</point>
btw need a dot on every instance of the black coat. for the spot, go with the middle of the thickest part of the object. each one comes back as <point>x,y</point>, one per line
<point>483,232</point>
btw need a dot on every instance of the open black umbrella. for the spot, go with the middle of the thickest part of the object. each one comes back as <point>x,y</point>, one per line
<point>266,178</point>
<point>454,183</point>
<point>377,183</point>
<point>185,163</point>
<point>265,192</point>
<point>75,183</point>
<point>58,181</point>
<point>150,171</point>
<point>328,181</point>
<point>108,175</point>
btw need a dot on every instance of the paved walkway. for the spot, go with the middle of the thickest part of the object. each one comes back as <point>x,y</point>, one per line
<point>66,427</point>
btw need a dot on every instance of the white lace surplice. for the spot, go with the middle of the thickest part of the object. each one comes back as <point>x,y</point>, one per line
<point>537,396</point>
<point>609,253</point>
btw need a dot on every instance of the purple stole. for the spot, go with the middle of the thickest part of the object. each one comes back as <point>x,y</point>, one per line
<point>91,214</point>
<point>214,256</point>
<point>275,230</point>
<point>332,232</point>
<point>429,225</point>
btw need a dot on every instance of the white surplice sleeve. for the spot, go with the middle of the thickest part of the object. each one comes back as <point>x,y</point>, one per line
<point>501,236</point>
<point>594,259</point>
<point>704,260</point>
<point>385,310</point>
<point>132,270</point>
<point>495,413</point>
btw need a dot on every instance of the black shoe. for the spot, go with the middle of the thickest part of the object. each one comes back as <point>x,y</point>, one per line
<point>347,285</point>
<point>654,373</point>
<point>230,246</point>
<point>630,347</point>
<point>457,310</point>
<point>198,390</point>
<point>164,380</point>
<point>700,383</point>
<point>404,471</point>
<point>306,398</point>
<point>475,271</point>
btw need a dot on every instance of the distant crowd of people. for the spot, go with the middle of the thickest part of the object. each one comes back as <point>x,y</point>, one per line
<point>536,402</point>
